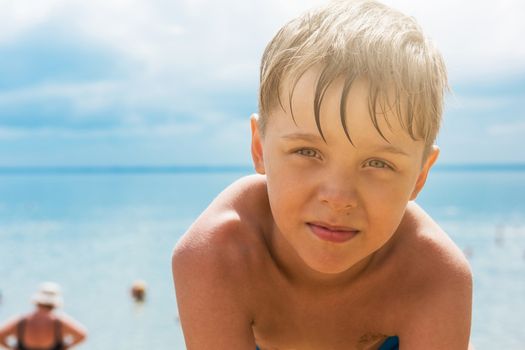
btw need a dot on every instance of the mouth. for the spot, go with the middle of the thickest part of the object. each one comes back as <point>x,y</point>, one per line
<point>335,234</point>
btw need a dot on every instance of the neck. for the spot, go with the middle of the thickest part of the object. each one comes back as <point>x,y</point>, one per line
<point>43,310</point>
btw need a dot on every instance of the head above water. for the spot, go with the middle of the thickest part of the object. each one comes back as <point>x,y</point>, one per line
<point>347,40</point>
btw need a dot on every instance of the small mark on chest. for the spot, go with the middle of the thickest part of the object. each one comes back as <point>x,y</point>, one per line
<point>370,340</point>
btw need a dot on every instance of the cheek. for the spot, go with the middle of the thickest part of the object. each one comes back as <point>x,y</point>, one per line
<point>283,194</point>
<point>390,191</point>
<point>386,204</point>
<point>287,196</point>
<point>283,181</point>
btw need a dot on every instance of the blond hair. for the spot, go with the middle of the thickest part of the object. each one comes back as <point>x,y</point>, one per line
<point>352,39</point>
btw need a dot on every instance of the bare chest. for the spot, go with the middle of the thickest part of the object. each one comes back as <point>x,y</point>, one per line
<point>353,321</point>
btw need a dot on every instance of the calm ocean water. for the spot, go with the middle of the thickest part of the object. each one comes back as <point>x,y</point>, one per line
<point>96,232</point>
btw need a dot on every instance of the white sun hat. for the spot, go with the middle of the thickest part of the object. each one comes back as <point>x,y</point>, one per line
<point>48,294</point>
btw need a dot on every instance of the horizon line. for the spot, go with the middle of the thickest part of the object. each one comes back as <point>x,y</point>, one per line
<point>210,168</point>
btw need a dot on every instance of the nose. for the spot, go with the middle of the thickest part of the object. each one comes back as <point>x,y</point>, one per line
<point>339,195</point>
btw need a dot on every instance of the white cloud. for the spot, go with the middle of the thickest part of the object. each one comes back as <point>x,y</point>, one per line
<point>84,98</point>
<point>176,52</point>
<point>50,90</point>
<point>514,128</point>
<point>167,129</point>
<point>478,38</point>
<point>235,72</point>
<point>17,16</point>
<point>480,103</point>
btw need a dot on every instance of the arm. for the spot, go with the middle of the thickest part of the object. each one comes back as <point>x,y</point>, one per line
<point>212,308</point>
<point>7,330</point>
<point>439,299</point>
<point>442,318</point>
<point>73,332</point>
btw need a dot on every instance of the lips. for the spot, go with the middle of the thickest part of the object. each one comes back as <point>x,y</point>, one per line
<point>335,234</point>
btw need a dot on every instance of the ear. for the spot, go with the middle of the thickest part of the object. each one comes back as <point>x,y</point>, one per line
<point>422,178</point>
<point>257,150</point>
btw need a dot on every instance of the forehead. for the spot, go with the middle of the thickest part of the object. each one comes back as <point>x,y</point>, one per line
<point>351,116</point>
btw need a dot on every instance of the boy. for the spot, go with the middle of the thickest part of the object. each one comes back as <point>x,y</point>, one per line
<point>325,248</point>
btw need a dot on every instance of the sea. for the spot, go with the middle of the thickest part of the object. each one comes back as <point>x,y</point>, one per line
<point>96,230</point>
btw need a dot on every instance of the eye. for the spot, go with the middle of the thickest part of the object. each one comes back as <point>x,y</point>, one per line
<point>379,164</point>
<point>308,152</point>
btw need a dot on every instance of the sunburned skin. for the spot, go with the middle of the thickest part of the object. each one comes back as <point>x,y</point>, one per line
<point>240,275</point>
<point>350,196</point>
<point>368,341</point>
<point>324,249</point>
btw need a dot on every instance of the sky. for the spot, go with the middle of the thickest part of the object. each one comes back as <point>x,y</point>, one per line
<point>163,82</point>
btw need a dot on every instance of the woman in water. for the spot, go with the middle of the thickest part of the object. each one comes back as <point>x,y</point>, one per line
<point>42,329</point>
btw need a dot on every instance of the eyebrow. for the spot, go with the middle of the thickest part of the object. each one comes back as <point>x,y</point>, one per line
<point>302,136</point>
<point>382,148</point>
<point>390,149</point>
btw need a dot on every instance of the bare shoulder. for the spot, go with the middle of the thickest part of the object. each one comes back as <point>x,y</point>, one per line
<point>9,326</point>
<point>214,265</point>
<point>71,325</point>
<point>426,243</point>
<point>226,233</point>
<point>438,280</point>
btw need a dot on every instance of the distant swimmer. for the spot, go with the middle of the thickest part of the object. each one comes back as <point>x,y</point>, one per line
<point>138,291</point>
<point>43,329</point>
